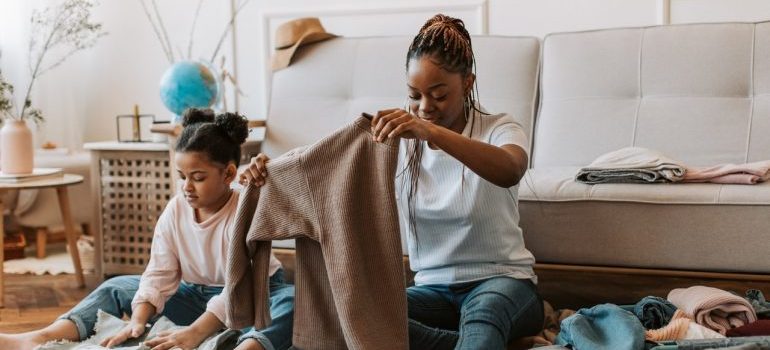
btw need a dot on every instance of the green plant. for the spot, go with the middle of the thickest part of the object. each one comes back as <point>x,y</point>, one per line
<point>63,29</point>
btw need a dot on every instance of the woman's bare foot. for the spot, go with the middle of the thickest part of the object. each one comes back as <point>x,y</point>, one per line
<point>250,344</point>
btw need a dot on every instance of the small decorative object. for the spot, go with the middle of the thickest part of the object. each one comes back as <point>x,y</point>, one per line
<point>188,83</point>
<point>138,122</point>
<point>16,145</point>
<point>64,28</point>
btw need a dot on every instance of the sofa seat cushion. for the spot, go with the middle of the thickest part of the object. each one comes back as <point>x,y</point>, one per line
<point>557,184</point>
<point>697,227</point>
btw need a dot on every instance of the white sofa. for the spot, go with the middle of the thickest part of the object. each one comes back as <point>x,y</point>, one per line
<point>699,93</point>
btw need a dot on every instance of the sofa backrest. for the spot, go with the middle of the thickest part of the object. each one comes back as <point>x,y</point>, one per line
<point>699,93</point>
<point>330,83</point>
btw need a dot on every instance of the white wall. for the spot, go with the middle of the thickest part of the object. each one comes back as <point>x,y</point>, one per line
<point>81,98</point>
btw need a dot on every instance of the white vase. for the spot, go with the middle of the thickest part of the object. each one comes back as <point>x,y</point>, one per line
<point>17,150</point>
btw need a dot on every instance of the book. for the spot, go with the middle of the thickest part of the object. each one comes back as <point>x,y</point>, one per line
<point>37,174</point>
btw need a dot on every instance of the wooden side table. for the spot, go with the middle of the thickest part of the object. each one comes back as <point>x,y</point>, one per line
<point>131,185</point>
<point>60,184</point>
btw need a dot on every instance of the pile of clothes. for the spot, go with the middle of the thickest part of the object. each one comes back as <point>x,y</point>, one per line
<point>691,318</point>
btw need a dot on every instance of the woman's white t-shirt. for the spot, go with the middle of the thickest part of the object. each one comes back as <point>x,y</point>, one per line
<point>467,228</point>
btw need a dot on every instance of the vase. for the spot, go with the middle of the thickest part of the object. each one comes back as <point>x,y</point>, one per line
<point>17,150</point>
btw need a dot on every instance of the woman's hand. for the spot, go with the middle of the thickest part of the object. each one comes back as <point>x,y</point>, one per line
<point>256,173</point>
<point>185,339</point>
<point>131,330</point>
<point>399,123</point>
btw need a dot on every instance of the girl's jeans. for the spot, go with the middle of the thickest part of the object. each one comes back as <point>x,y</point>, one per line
<point>114,297</point>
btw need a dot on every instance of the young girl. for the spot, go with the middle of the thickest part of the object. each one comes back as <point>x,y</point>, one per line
<point>458,201</point>
<point>185,274</point>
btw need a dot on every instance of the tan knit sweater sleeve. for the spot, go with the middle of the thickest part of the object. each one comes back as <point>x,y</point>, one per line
<point>281,209</point>
<point>238,291</point>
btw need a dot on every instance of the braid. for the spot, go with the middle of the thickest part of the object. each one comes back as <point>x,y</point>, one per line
<point>445,39</point>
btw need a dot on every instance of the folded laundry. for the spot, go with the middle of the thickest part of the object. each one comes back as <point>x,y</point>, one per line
<point>749,174</point>
<point>642,165</point>
<point>632,165</point>
<point>714,308</point>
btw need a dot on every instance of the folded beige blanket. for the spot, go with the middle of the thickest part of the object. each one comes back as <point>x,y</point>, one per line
<point>713,308</point>
<point>631,165</point>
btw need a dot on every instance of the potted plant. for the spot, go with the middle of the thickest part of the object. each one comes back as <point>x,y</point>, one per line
<point>65,29</point>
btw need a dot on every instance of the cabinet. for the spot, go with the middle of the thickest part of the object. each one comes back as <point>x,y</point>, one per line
<point>131,184</point>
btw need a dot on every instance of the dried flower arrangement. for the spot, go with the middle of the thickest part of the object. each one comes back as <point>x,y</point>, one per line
<point>153,16</point>
<point>66,29</point>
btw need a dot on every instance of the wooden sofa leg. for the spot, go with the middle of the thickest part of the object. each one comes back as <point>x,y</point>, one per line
<point>42,237</point>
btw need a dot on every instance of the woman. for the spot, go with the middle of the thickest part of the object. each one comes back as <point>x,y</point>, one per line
<point>457,190</point>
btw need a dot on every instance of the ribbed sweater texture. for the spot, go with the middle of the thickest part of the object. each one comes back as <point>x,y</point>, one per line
<point>337,199</point>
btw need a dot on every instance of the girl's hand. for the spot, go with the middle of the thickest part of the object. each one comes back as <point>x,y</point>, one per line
<point>185,339</point>
<point>130,330</point>
<point>399,123</point>
<point>256,173</point>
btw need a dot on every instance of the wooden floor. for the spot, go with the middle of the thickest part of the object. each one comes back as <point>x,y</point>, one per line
<point>32,302</point>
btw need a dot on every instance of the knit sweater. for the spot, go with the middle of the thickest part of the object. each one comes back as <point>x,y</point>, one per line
<point>336,198</point>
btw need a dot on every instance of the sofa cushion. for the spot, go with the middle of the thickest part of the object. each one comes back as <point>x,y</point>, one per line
<point>699,93</point>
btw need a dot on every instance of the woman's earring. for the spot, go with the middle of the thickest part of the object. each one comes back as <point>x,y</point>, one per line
<point>466,107</point>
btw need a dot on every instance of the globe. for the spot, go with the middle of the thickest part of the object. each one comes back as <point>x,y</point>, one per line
<point>188,84</point>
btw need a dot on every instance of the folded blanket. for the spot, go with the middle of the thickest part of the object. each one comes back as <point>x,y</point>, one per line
<point>749,174</point>
<point>108,325</point>
<point>631,165</point>
<point>713,308</point>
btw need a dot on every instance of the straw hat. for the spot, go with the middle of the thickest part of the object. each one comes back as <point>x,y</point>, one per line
<point>291,35</point>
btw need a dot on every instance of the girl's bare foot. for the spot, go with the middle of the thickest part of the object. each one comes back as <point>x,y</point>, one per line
<point>24,341</point>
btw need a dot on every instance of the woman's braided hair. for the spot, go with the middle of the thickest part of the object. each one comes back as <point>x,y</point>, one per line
<point>446,41</point>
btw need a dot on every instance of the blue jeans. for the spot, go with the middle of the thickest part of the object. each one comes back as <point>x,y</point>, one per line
<point>483,314</point>
<point>114,297</point>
